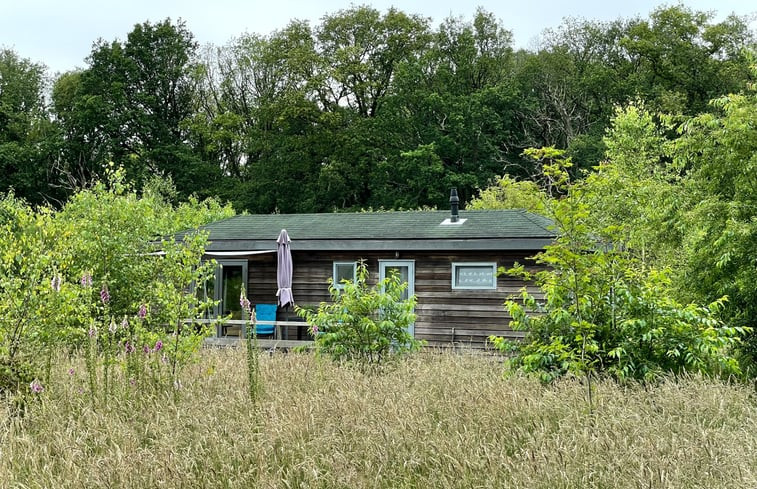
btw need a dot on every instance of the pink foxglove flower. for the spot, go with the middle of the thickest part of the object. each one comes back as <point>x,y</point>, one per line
<point>86,280</point>
<point>142,311</point>
<point>158,345</point>
<point>104,294</point>
<point>92,331</point>
<point>36,386</point>
<point>244,302</point>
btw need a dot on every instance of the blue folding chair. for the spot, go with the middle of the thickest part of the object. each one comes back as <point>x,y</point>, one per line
<point>265,312</point>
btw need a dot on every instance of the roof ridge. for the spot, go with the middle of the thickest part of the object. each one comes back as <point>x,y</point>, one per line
<point>530,216</point>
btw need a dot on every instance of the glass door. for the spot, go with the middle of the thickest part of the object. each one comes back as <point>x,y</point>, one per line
<point>406,271</point>
<point>225,287</point>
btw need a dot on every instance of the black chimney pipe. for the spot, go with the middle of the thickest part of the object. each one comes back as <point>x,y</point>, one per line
<point>454,202</point>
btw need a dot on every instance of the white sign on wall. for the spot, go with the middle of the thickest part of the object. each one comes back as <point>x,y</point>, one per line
<point>474,276</point>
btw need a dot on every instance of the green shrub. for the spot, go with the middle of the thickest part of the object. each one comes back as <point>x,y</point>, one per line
<point>604,310</point>
<point>69,278</point>
<point>364,326</point>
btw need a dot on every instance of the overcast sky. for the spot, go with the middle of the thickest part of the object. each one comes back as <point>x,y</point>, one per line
<point>60,33</point>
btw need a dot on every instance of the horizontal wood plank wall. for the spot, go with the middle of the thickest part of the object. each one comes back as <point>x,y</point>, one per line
<point>444,315</point>
<point>467,317</point>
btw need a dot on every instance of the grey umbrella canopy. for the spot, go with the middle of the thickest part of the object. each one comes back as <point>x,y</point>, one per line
<point>284,269</point>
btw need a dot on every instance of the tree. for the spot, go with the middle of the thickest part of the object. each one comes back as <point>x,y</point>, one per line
<point>362,51</point>
<point>604,310</point>
<point>37,305</point>
<point>636,189</point>
<point>458,97</point>
<point>414,179</point>
<point>681,190</point>
<point>571,85</point>
<point>85,149</point>
<point>27,138</point>
<point>131,105</point>
<point>117,229</point>
<point>719,205</point>
<point>259,120</point>
<point>684,60</point>
<point>509,193</point>
<point>67,275</point>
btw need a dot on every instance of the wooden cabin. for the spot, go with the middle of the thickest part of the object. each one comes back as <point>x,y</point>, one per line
<point>449,259</point>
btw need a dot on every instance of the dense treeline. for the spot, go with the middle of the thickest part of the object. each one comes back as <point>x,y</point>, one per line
<point>365,109</point>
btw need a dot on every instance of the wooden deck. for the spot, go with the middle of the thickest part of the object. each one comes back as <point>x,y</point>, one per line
<point>265,344</point>
<point>455,337</point>
<point>279,340</point>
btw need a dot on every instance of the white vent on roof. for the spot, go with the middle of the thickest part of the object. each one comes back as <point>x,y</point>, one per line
<point>450,222</point>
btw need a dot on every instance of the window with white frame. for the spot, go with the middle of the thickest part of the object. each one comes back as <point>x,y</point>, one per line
<point>474,276</point>
<point>344,270</point>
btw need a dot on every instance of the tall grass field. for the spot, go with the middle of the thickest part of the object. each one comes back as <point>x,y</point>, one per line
<point>438,420</point>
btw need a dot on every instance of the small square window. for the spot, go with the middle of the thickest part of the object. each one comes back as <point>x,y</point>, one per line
<point>344,270</point>
<point>474,276</point>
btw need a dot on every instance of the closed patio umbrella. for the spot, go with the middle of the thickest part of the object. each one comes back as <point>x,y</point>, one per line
<point>284,269</point>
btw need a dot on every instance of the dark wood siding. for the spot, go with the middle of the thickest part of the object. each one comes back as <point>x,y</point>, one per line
<point>444,315</point>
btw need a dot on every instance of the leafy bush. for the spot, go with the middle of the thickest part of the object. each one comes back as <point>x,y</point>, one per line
<point>71,278</point>
<point>34,300</point>
<point>110,231</point>
<point>606,312</point>
<point>364,326</point>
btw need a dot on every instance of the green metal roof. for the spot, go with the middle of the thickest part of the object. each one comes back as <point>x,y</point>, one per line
<point>411,230</point>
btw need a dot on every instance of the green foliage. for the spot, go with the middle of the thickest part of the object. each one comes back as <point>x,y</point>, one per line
<point>365,108</point>
<point>415,178</point>
<point>130,106</point>
<point>172,303</point>
<point>110,231</point>
<point>604,311</point>
<point>36,301</point>
<point>28,139</point>
<point>71,278</point>
<point>509,193</point>
<point>716,213</point>
<point>365,326</point>
<point>635,189</point>
<point>684,59</point>
<point>681,190</point>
